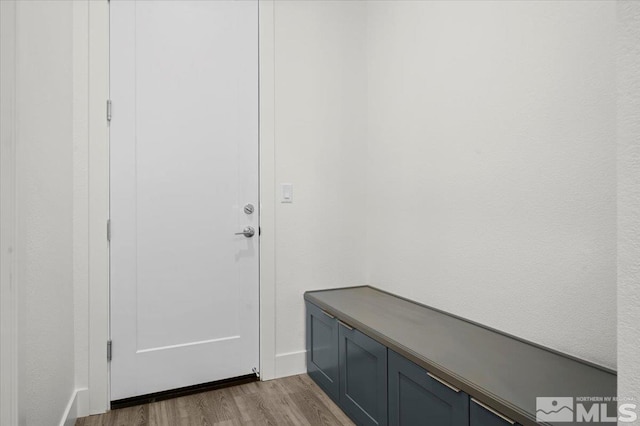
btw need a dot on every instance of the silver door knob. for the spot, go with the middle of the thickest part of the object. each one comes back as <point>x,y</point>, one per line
<point>247,232</point>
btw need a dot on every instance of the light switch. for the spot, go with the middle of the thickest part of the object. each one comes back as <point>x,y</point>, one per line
<point>287,193</point>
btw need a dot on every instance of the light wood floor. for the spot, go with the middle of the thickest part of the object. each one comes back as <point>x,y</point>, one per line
<point>295,400</point>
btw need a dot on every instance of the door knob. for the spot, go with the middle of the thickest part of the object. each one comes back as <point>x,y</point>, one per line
<point>247,232</point>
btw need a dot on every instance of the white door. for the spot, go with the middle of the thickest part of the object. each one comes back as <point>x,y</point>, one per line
<point>184,164</point>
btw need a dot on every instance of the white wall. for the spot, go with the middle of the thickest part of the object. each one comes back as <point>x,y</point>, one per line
<point>493,146</point>
<point>44,210</point>
<point>492,172</point>
<point>628,199</point>
<point>320,113</point>
<point>8,292</point>
<point>319,131</point>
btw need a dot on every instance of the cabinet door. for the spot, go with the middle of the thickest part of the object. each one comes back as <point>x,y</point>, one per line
<point>322,349</point>
<point>415,398</point>
<point>363,377</point>
<point>481,415</point>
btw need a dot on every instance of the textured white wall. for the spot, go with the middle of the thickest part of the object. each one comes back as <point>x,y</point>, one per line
<point>44,209</point>
<point>492,172</point>
<point>547,216</point>
<point>320,112</point>
<point>628,199</point>
<point>8,293</point>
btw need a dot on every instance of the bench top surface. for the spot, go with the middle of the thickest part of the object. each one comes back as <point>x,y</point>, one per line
<point>499,369</point>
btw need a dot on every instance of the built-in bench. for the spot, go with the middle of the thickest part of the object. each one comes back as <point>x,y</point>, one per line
<point>387,360</point>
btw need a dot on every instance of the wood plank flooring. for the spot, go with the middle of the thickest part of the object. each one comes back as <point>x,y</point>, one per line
<point>294,400</point>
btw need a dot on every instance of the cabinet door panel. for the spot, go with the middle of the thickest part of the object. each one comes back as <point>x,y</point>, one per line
<point>363,377</point>
<point>322,350</point>
<point>415,398</point>
<point>480,416</point>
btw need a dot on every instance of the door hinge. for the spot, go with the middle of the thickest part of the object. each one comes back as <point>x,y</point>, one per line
<point>109,350</point>
<point>108,110</point>
<point>109,230</point>
<point>256,372</point>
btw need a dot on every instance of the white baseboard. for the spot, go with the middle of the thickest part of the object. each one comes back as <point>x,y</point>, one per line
<point>76,407</point>
<point>291,363</point>
<point>82,402</point>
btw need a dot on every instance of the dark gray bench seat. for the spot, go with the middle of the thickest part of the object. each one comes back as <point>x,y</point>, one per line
<point>500,375</point>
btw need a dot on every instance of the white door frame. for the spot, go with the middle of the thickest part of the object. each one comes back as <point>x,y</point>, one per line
<point>99,200</point>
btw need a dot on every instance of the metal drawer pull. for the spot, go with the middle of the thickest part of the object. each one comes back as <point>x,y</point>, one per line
<point>345,325</point>
<point>507,419</point>
<point>453,388</point>
<point>328,314</point>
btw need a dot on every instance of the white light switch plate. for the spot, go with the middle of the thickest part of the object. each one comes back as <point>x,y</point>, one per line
<point>287,193</point>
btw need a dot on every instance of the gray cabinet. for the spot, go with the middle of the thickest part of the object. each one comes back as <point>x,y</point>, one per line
<point>416,398</point>
<point>363,377</point>
<point>464,354</point>
<point>482,415</point>
<point>322,350</point>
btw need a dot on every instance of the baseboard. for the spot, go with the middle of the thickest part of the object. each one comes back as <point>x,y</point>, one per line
<point>82,402</point>
<point>77,404</point>
<point>291,363</point>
